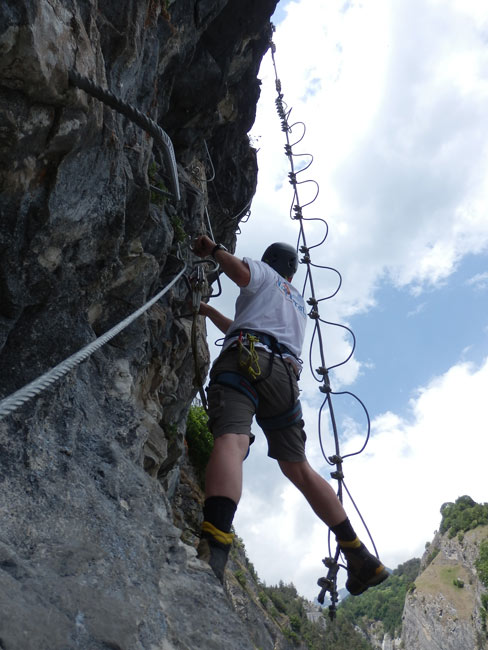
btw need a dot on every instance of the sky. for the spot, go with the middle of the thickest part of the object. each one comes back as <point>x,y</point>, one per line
<point>394,95</point>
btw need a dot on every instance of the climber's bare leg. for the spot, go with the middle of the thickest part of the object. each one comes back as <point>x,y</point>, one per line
<point>316,490</point>
<point>224,470</point>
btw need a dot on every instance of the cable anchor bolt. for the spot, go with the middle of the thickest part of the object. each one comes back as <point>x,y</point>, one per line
<point>338,475</point>
<point>325,374</point>
<point>331,563</point>
<point>335,459</point>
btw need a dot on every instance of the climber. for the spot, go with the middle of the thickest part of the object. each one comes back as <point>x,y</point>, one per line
<point>256,374</point>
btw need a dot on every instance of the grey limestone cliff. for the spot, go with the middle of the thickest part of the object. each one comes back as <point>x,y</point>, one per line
<point>443,612</point>
<point>90,556</point>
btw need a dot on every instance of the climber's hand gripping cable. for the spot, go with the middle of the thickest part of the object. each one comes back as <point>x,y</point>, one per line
<point>237,270</point>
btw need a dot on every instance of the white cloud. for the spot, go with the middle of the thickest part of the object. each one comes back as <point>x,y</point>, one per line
<point>418,178</point>
<point>398,131</point>
<point>479,281</point>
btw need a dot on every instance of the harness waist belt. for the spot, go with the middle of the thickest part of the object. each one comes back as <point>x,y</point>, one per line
<point>266,339</point>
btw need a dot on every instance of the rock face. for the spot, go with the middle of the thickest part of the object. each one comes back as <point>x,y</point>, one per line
<point>441,614</point>
<point>379,639</point>
<point>90,557</point>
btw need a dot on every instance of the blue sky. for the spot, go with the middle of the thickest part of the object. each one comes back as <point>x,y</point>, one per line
<point>406,340</point>
<point>397,126</point>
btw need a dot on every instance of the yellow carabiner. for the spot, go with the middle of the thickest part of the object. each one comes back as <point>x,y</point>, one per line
<point>251,364</point>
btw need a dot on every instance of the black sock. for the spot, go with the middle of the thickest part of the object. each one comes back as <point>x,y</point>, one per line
<point>346,535</point>
<point>220,511</point>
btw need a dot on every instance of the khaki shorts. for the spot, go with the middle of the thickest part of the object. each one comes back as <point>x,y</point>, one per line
<point>231,411</point>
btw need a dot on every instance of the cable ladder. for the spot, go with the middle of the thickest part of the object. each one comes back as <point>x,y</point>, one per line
<point>321,374</point>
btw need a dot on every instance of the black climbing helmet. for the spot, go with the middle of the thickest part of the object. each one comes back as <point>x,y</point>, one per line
<point>283,258</point>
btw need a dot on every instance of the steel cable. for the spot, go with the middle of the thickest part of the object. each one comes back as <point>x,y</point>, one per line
<point>161,138</point>
<point>13,402</point>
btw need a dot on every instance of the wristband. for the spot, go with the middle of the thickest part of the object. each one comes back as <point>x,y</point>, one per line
<point>217,247</point>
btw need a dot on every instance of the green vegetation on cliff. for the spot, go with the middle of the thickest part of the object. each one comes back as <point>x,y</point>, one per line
<point>303,624</point>
<point>199,440</point>
<point>482,568</point>
<point>463,515</point>
<point>482,563</point>
<point>292,612</point>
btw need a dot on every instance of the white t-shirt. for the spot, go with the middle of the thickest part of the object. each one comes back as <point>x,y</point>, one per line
<point>272,305</point>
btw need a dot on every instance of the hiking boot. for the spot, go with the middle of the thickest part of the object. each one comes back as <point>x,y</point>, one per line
<point>214,551</point>
<point>364,570</point>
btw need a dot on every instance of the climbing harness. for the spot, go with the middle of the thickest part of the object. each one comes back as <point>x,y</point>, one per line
<point>239,382</point>
<point>265,339</point>
<point>321,374</point>
<point>283,420</point>
<point>13,402</point>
